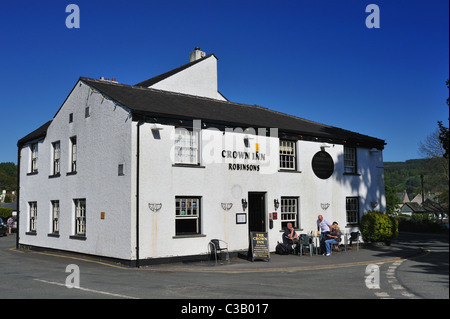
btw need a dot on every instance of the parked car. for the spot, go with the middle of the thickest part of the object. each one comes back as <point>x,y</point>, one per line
<point>14,224</point>
<point>3,228</point>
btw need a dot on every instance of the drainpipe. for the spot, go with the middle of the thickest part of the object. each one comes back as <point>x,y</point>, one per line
<point>138,125</point>
<point>19,148</point>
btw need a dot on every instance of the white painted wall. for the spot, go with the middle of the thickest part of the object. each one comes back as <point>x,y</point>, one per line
<point>104,141</point>
<point>199,79</point>
<point>161,182</point>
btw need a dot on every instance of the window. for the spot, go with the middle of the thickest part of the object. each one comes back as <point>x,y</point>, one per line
<point>33,216</point>
<point>34,157</point>
<point>73,154</point>
<point>80,217</point>
<point>70,117</point>
<point>186,146</point>
<point>287,155</point>
<point>55,216</point>
<point>120,170</point>
<point>352,210</point>
<point>289,212</point>
<point>187,215</point>
<point>87,112</point>
<point>56,157</point>
<point>350,160</point>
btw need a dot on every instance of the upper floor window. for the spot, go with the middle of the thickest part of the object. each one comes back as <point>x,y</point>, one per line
<point>73,154</point>
<point>34,157</point>
<point>350,160</point>
<point>287,155</point>
<point>56,157</point>
<point>186,146</point>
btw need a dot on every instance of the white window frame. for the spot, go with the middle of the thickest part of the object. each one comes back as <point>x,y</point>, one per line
<point>56,157</point>
<point>289,210</point>
<point>349,160</point>
<point>32,216</point>
<point>187,146</point>
<point>55,216</point>
<point>80,217</point>
<point>352,210</point>
<point>288,155</point>
<point>34,157</point>
<point>187,208</point>
<point>73,154</point>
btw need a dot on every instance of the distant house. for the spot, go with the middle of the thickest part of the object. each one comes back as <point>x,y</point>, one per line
<point>411,208</point>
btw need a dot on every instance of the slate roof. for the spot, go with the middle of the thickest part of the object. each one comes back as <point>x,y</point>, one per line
<point>36,134</point>
<point>164,104</point>
<point>149,102</point>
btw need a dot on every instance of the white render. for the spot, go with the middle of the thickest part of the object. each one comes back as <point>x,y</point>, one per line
<point>200,80</point>
<point>108,138</point>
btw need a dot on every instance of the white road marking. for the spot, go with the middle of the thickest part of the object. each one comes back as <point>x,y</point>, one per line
<point>87,289</point>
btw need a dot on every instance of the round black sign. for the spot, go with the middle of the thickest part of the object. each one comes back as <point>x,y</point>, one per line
<point>322,165</point>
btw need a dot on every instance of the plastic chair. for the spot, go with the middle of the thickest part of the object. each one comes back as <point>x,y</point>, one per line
<point>215,247</point>
<point>306,241</point>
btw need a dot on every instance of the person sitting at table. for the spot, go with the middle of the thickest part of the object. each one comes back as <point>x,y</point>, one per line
<point>290,236</point>
<point>333,238</point>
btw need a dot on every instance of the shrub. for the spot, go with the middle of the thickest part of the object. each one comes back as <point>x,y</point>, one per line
<point>378,227</point>
<point>5,212</point>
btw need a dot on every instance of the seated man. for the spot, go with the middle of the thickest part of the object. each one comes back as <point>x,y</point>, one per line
<point>289,235</point>
<point>333,238</point>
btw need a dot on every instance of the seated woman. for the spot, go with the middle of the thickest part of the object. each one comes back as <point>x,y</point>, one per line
<point>333,238</point>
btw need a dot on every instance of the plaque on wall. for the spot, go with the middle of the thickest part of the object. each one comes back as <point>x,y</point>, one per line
<point>322,165</point>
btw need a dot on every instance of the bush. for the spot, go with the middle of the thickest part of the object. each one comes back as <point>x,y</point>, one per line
<point>5,212</point>
<point>378,227</point>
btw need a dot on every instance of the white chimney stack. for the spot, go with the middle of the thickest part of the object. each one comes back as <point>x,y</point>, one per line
<point>197,54</point>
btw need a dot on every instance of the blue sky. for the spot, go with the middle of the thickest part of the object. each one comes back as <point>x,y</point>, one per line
<point>313,59</point>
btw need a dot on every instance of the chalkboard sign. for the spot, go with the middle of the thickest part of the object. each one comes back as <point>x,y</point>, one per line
<point>322,165</point>
<point>259,246</point>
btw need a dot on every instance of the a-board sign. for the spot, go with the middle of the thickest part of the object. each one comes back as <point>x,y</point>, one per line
<point>259,246</point>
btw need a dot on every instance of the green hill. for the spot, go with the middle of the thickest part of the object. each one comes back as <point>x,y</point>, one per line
<point>406,176</point>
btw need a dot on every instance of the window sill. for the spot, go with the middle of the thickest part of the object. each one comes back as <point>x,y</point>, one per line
<point>33,233</point>
<point>71,173</point>
<point>352,174</point>
<point>53,235</point>
<point>188,236</point>
<point>78,237</point>
<point>54,176</point>
<point>32,173</point>
<point>188,165</point>
<point>288,171</point>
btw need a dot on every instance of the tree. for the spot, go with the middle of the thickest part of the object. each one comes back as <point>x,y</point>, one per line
<point>443,131</point>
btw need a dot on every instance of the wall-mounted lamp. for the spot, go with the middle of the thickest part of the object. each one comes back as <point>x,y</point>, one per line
<point>244,204</point>
<point>154,207</point>
<point>276,204</point>
<point>324,205</point>
<point>374,204</point>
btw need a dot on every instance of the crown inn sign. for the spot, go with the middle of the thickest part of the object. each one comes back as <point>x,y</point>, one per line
<point>122,172</point>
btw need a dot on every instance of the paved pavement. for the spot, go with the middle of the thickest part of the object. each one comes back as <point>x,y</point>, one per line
<point>365,255</point>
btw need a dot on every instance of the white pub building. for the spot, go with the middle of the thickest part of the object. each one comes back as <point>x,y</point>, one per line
<point>150,172</point>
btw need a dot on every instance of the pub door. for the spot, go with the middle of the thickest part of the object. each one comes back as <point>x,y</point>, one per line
<point>256,211</point>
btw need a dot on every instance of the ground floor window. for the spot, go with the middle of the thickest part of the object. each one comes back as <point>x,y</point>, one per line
<point>352,210</point>
<point>289,212</point>
<point>33,216</point>
<point>187,215</point>
<point>80,217</point>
